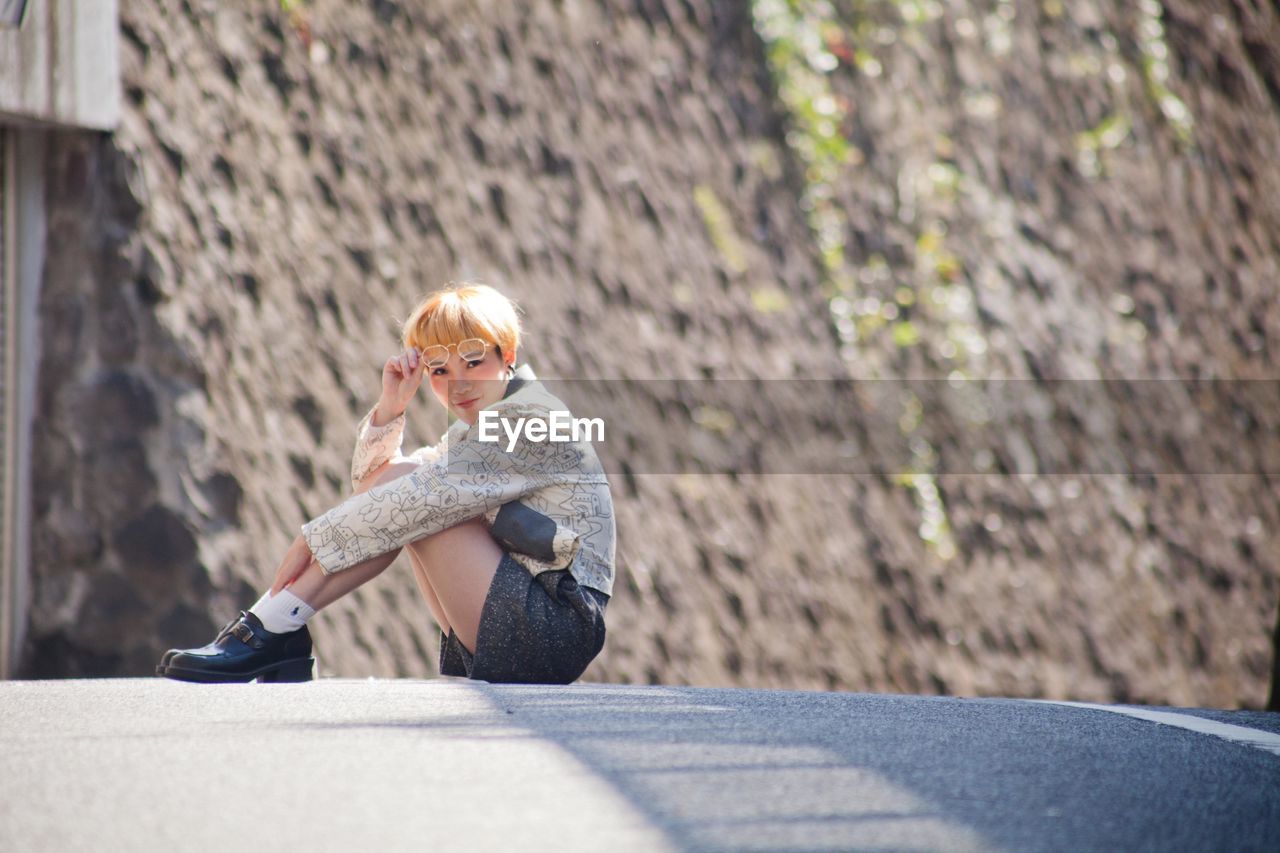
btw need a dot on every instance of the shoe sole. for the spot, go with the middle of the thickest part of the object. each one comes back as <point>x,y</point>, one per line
<point>296,670</point>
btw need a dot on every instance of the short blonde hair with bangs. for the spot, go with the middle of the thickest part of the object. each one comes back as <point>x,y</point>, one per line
<point>460,311</point>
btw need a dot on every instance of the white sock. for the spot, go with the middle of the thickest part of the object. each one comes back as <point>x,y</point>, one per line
<point>282,612</point>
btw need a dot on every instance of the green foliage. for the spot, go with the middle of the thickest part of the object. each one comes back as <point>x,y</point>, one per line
<point>905,334</point>
<point>805,42</point>
<point>769,300</point>
<point>1155,70</point>
<point>1109,134</point>
<point>720,226</point>
<point>797,34</point>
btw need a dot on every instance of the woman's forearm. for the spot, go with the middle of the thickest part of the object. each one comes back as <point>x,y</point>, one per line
<point>384,413</point>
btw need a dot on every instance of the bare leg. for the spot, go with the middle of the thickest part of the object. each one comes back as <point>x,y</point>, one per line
<point>320,591</point>
<point>429,593</point>
<point>383,474</point>
<point>453,569</point>
<point>459,564</point>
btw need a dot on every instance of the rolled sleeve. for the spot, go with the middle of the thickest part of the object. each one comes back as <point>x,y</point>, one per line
<point>375,445</point>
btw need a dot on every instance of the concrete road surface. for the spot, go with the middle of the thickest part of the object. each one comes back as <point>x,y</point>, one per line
<point>449,764</point>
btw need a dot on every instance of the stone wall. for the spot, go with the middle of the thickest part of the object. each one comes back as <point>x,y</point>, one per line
<point>1081,191</point>
<point>227,270</point>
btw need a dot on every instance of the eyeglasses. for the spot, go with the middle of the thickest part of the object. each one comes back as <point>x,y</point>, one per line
<point>472,349</point>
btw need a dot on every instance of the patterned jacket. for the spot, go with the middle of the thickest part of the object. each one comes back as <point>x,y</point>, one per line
<point>547,503</point>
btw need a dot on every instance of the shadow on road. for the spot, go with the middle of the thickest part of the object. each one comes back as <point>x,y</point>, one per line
<point>775,770</point>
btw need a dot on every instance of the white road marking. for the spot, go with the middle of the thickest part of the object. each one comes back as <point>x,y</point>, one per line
<point>1238,734</point>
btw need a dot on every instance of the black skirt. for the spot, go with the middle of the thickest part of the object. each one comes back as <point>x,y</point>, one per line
<point>534,629</point>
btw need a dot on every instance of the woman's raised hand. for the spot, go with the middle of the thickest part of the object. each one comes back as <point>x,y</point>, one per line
<point>401,376</point>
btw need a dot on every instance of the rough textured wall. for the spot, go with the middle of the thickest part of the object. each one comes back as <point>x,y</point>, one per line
<point>227,269</point>
<point>282,204</point>
<point>1077,191</point>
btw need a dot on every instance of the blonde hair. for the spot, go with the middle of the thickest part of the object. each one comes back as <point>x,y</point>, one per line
<point>460,311</point>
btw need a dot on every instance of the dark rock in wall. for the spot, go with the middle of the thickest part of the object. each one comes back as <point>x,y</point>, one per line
<point>117,479</point>
<point>154,547</point>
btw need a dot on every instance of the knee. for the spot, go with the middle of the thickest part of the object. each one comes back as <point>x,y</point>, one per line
<point>470,527</point>
<point>465,534</point>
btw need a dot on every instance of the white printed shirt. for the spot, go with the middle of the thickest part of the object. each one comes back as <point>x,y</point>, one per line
<point>546,503</point>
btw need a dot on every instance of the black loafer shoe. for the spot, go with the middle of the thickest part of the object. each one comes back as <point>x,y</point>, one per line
<point>243,651</point>
<point>169,655</point>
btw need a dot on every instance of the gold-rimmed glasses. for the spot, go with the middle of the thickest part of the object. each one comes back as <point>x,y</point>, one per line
<point>472,349</point>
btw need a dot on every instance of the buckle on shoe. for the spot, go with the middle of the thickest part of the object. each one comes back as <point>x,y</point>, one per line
<point>244,634</point>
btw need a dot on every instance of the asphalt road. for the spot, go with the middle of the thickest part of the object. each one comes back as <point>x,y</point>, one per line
<point>448,764</point>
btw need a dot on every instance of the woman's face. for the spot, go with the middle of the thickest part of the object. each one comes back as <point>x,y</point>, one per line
<point>466,387</point>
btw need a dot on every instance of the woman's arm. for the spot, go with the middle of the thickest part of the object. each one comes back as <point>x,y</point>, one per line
<point>466,481</point>
<point>380,434</point>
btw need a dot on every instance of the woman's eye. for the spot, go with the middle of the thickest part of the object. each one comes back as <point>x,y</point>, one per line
<point>476,363</point>
<point>438,371</point>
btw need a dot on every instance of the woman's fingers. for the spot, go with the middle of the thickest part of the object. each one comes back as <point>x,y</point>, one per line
<point>410,361</point>
<point>412,365</point>
<point>295,562</point>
